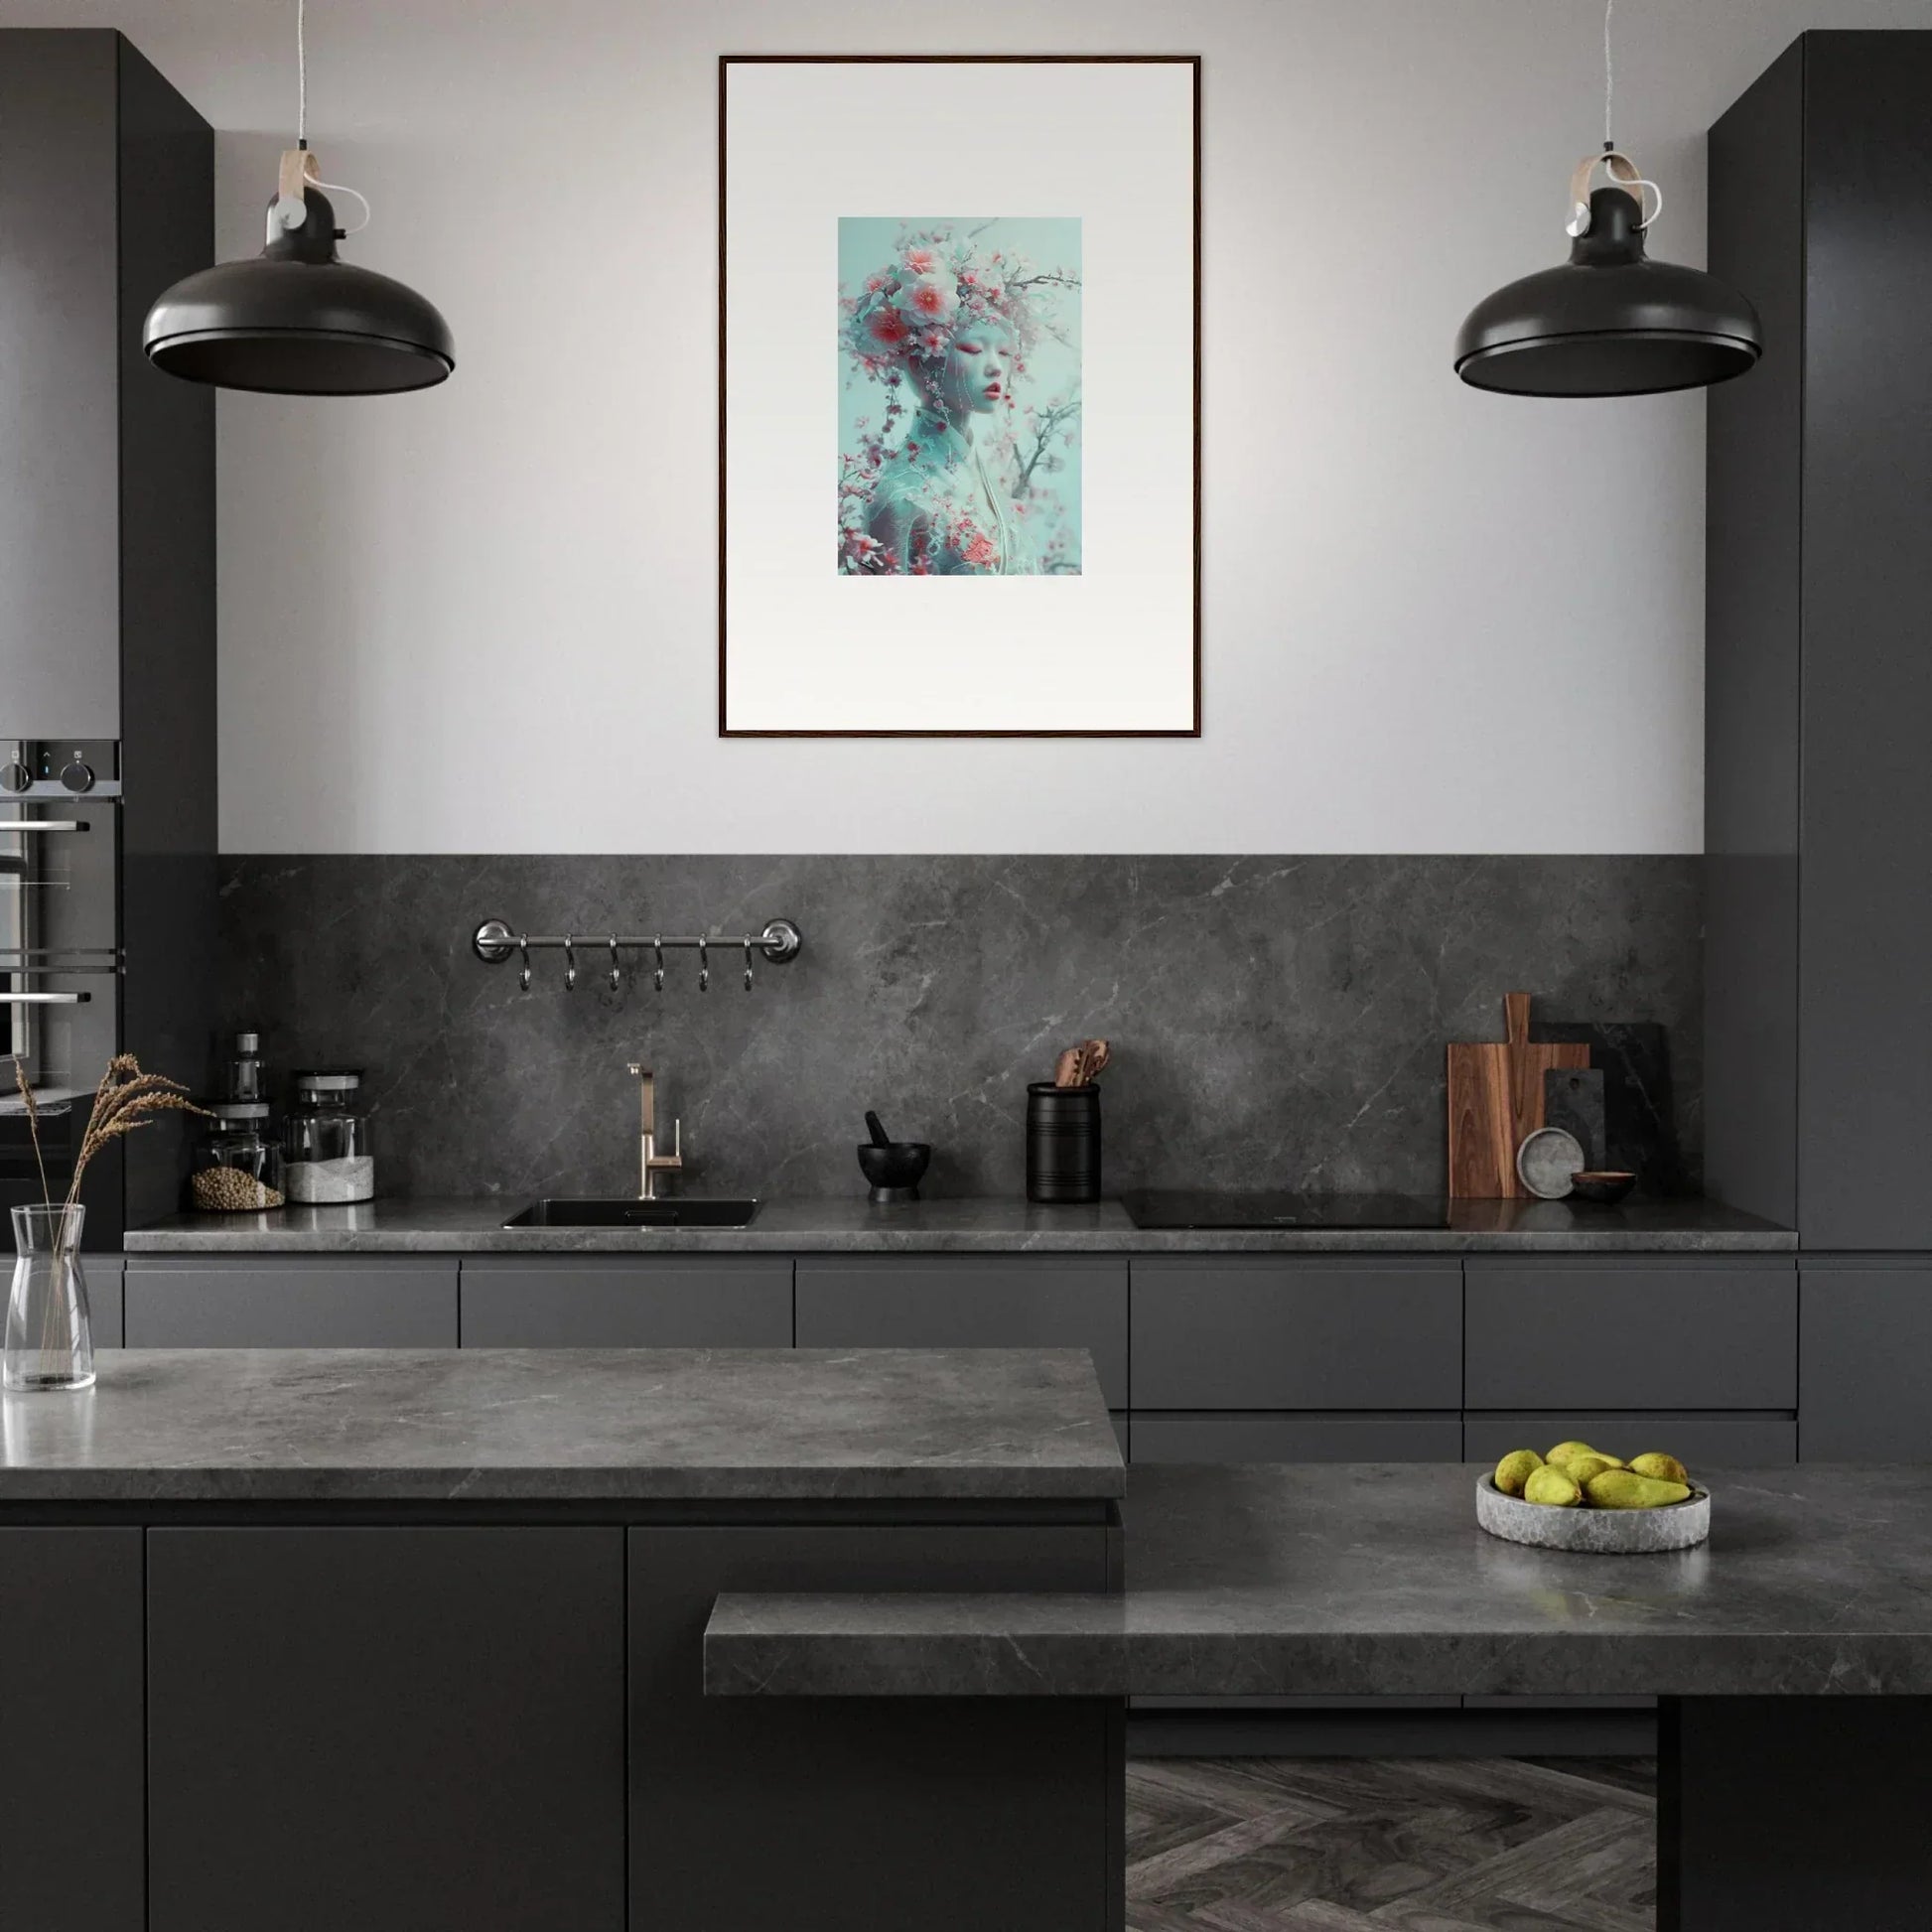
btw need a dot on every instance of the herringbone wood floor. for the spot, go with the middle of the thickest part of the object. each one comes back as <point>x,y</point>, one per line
<point>1387,1845</point>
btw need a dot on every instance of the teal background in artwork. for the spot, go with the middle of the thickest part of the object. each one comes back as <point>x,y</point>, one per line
<point>868,243</point>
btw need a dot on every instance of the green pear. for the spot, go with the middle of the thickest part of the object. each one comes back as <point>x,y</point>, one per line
<point>1624,1489</point>
<point>1565,1450</point>
<point>1666,1468</point>
<point>1579,1469</point>
<point>1515,1470</point>
<point>1550,1485</point>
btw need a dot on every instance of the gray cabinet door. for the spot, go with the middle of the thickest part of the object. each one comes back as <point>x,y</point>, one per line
<point>938,1301</point>
<point>59,386</point>
<point>1298,1438</point>
<point>614,1302</point>
<point>1266,1332</point>
<point>103,1273</point>
<point>1865,1362</point>
<point>794,1814</point>
<point>393,1729</point>
<point>1660,1333</point>
<point>72,1776</point>
<point>286,1301</point>
<point>1733,1441</point>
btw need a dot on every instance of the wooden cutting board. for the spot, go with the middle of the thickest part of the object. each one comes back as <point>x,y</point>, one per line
<point>1495,1099</point>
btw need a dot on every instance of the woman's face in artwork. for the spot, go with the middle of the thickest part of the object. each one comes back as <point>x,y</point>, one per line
<point>977,373</point>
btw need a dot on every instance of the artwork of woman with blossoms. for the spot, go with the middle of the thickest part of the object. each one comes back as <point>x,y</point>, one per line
<point>959,341</point>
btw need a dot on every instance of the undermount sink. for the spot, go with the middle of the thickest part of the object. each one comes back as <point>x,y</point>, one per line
<point>635,1213</point>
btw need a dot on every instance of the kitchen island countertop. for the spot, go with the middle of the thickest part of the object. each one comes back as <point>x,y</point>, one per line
<point>562,1426</point>
<point>963,1225</point>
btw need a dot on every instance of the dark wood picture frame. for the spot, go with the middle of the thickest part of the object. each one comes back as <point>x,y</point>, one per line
<point>727,61</point>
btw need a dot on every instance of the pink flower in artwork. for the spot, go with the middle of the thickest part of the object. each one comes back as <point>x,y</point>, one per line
<point>929,300</point>
<point>873,283</point>
<point>935,341</point>
<point>888,329</point>
<point>862,546</point>
<point>922,260</point>
<point>981,554</point>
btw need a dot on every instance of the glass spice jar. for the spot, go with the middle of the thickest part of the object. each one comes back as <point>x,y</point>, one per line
<point>326,1139</point>
<point>237,1167</point>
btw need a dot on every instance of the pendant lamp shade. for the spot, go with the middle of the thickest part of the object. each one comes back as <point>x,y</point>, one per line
<point>298,321</point>
<point>1610,322</point>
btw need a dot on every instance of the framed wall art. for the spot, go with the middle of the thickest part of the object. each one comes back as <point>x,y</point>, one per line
<point>959,396</point>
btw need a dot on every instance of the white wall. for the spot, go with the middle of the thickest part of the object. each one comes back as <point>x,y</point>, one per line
<point>483,618</point>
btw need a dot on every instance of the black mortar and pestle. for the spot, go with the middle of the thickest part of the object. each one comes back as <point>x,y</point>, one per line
<point>893,1167</point>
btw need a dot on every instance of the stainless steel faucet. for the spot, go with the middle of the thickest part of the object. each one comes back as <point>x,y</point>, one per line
<point>651,1163</point>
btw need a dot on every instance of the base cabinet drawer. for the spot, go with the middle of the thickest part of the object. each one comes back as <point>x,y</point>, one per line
<point>612,1301</point>
<point>1661,1334</point>
<point>1703,1442</point>
<point>1074,1302</point>
<point>272,1301</point>
<point>1865,1362</point>
<point>1263,1333</point>
<point>1296,1438</point>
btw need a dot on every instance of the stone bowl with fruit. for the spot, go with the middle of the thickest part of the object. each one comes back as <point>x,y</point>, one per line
<point>1579,1498</point>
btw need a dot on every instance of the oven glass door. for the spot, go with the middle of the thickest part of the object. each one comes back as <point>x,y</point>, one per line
<point>59,977</point>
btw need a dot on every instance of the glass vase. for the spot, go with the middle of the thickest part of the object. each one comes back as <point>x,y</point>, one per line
<point>49,1338</point>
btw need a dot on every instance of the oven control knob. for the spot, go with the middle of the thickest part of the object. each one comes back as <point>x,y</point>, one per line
<point>15,776</point>
<point>77,776</point>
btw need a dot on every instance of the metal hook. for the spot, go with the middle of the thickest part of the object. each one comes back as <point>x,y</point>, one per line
<point>617,971</point>
<point>748,965</point>
<point>704,965</point>
<point>657,978</point>
<point>570,963</point>
<point>524,946</point>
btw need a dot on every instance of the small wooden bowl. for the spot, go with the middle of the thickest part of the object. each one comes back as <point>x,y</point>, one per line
<point>1605,1185</point>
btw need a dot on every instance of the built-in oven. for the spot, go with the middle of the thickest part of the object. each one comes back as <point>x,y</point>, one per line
<point>61,960</point>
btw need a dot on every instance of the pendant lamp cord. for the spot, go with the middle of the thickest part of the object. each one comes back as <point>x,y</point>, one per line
<point>1609,77</point>
<point>302,72</point>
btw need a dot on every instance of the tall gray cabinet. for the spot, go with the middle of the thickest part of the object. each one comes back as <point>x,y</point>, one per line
<point>1818,717</point>
<point>107,577</point>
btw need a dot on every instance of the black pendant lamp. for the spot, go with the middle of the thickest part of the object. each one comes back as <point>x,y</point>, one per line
<point>298,321</point>
<point>1610,322</point>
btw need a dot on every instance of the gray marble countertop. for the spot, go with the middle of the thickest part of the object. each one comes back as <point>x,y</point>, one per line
<point>1373,1579</point>
<point>961,1227</point>
<point>565,1425</point>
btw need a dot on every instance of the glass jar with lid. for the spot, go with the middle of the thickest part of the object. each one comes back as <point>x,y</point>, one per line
<point>238,1167</point>
<point>325,1138</point>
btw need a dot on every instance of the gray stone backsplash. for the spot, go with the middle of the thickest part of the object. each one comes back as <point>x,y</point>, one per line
<point>1276,1021</point>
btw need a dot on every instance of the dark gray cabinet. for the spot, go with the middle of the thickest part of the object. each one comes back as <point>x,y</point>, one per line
<point>1298,1438</point>
<point>288,1302</point>
<point>73,1776</point>
<point>615,1302</point>
<point>1818,793</point>
<point>1016,1302</point>
<point>1736,1442</point>
<point>1666,1332</point>
<point>399,1729</point>
<point>1263,1333</point>
<point>1866,1360</point>
<point>833,1833</point>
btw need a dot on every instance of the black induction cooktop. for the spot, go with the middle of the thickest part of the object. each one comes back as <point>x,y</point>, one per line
<point>1182,1209</point>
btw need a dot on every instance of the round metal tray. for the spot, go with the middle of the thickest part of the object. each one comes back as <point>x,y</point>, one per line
<point>1595,1532</point>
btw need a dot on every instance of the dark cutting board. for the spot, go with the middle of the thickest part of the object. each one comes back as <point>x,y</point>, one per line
<point>1495,1100</point>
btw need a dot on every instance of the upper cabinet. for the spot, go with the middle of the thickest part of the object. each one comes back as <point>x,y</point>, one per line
<point>107,466</point>
<point>1818,802</point>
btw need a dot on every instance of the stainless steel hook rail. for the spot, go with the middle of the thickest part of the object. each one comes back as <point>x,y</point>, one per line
<point>496,940</point>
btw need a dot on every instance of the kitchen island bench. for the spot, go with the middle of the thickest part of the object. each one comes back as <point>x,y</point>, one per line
<point>1793,1651</point>
<point>411,1641</point>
